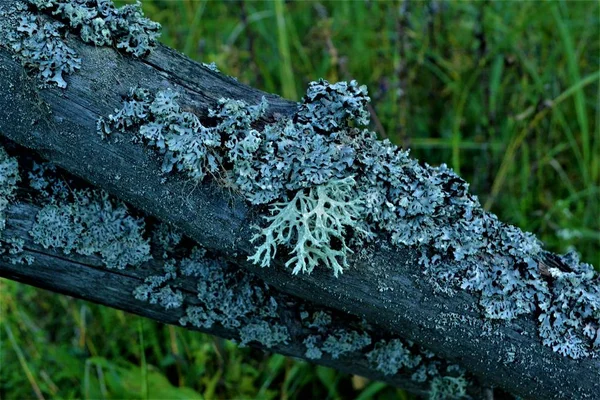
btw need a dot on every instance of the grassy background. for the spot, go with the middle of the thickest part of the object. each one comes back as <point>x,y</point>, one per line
<point>506,93</point>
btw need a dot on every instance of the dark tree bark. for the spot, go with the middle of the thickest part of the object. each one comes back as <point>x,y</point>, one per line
<point>386,288</point>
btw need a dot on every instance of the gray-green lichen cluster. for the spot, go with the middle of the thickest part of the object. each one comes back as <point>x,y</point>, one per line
<point>100,23</point>
<point>9,177</point>
<point>41,45</point>
<point>224,296</point>
<point>388,356</point>
<point>330,182</point>
<point>88,222</point>
<point>234,300</point>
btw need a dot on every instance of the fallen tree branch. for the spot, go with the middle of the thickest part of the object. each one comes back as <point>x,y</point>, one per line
<point>385,287</point>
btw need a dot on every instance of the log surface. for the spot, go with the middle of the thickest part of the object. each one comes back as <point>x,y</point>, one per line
<point>386,287</point>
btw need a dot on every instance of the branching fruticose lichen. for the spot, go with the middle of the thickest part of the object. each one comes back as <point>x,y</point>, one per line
<point>371,186</point>
<point>309,223</point>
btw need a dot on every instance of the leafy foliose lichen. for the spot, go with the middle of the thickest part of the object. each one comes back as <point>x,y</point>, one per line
<point>40,46</point>
<point>229,298</point>
<point>101,23</point>
<point>165,238</point>
<point>92,223</point>
<point>9,177</point>
<point>159,121</point>
<point>570,321</point>
<point>342,341</point>
<point>392,356</point>
<point>264,333</point>
<point>156,291</point>
<point>330,107</point>
<point>374,187</point>
<point>448,387</point>
<point>311,224</point>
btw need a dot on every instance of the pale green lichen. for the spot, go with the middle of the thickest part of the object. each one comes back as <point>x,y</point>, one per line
<point>309,224</point>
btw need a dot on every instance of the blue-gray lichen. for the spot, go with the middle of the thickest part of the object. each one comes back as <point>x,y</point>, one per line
<point>14,247</point>
<point>392,356</point>
<point>165,238</point>
<point>264,333</point>
<point>155,289</point>
<point>448,388</point>
<point>230,299</point>
<point>159,121</point>
<point>40,46</point>
<point>570,321</point>
<point>99,22</point>
<point>342,341</point>
<point>9,177</point>
<point>371,186</point>
<point>92,223</point>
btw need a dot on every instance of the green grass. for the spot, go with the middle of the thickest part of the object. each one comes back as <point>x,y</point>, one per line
<point>505,92</point>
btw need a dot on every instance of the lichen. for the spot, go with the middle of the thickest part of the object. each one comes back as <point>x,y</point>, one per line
<point>392,356</point>
<point>165,238</point>
<point>159,121</point>
<point>330,107</point>
<point>329,183</point>
<point>156,291</point>
<point>313,352</point>
<point>448,387</point>
<point>99,22</point>
<point>570,321</point>
<point>212,66</point>
<point>9,177</point>
<point>40,47</point>
<point>92,223</point>
<point>342,341</point>
<point>226,298</point>
<point>309,224</point>
<point>264,333</point>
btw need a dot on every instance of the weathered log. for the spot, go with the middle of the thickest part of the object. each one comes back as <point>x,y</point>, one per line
<point>86,277</point>
<point>386,288</point>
